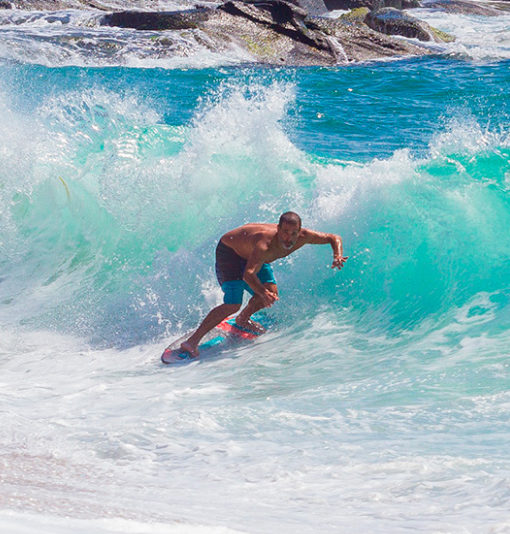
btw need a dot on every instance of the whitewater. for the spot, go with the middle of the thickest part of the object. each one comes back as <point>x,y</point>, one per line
<point>378,401</point>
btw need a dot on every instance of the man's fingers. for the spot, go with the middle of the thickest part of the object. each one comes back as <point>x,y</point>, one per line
<point>270,298</point>
<point>339,262</point>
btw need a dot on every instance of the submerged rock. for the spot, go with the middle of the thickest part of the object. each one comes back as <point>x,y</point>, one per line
<point>391,21</point>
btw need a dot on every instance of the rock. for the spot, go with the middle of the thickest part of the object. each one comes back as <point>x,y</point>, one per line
<point>272,32</point>
<point>463,7</point>
<point>279,33</point>
<point>355,16</point>
<point>281,17</point>
<point>268,12</point>
<point>391,21</point>
<point>440,36</point>
<point>156,20</point>
<point>312,7</point>
<point>371,4</point>
<point>504,5</point>
<point>358,40</point>
<point>5,5</point>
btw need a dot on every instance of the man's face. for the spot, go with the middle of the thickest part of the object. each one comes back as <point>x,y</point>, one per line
<point>288,234</point>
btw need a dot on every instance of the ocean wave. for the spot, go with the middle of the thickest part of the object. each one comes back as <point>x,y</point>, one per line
<point>117,210</point>
<point>380,392</point>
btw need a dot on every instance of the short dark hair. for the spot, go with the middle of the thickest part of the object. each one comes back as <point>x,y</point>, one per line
<point>290,217</point>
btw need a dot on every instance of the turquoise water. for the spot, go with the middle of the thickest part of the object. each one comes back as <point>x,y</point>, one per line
<point>379,400</point>
<point>132,175</point>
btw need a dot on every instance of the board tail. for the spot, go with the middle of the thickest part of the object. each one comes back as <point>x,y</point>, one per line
<point>175,356</point>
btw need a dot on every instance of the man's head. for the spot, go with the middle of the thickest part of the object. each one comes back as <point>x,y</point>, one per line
<point>288,229</point>
<point>290,217</point>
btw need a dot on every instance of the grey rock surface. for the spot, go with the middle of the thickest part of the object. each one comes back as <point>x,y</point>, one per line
<point>274,32</point>
<point>392,21</point>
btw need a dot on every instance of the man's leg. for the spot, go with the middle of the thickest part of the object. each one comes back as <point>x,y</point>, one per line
<point>213,318</point>
<point>254,305</point>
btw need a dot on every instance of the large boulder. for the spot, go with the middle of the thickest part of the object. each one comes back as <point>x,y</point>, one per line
<point>156,20</point>
<point>391,21</point>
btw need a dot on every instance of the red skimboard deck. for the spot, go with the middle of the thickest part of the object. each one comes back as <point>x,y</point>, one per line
<point>226,333</point>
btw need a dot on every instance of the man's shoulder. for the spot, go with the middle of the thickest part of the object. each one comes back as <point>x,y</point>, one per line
<point>305,233</point>
<point>260,230</point>
<point>262,227</point>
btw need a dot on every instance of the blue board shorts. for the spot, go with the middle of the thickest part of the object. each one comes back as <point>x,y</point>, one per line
<point>230,270</point>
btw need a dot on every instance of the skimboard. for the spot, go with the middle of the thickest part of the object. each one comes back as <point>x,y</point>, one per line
<point>227,333</point>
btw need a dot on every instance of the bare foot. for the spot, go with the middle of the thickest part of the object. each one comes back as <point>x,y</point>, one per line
<point>250,325</point>
<point>186,346</point>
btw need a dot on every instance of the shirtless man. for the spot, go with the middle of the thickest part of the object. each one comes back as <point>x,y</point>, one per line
<point>243,256</point>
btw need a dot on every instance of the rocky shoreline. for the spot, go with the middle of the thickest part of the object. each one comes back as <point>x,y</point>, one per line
<point>286,32</point>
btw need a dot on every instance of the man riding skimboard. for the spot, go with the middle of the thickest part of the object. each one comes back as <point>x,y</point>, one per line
<point>243,256</point>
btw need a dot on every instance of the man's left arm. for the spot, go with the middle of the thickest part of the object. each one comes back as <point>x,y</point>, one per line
<point>321,238</point>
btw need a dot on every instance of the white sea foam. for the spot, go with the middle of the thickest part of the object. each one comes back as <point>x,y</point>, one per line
<point>74,38</point>
<point>477,38</point>
<point>17,523</point>
<point>463,135</point>
<point>109,434</point>
<point>340,189</point>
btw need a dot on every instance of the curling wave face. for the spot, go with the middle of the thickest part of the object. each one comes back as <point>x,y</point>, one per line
<point>108,193</point>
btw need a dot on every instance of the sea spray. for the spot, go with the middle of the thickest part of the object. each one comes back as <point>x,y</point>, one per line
<point>136,207</point>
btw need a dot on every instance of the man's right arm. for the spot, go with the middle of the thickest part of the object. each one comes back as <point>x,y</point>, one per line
<point>253,266</point>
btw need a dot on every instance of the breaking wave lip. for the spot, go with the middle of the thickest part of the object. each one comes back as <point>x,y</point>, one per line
<point>177,166</point>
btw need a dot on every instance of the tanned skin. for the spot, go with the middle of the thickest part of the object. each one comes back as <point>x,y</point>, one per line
<point>261,243</point>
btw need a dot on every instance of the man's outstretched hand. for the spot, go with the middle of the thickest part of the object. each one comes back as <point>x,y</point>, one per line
<point>338,262</point>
